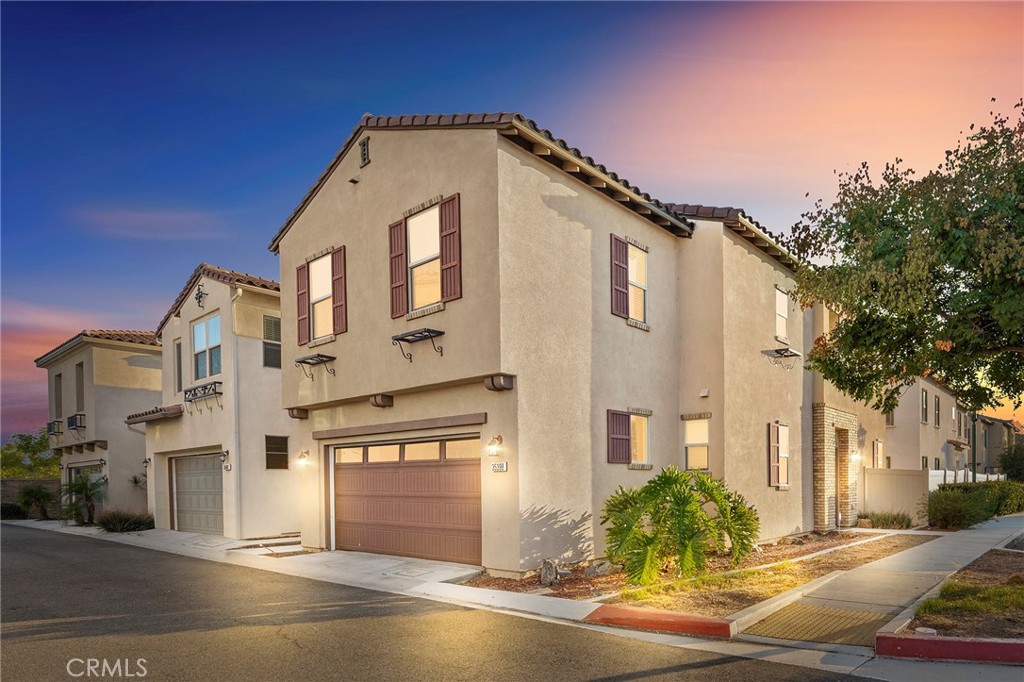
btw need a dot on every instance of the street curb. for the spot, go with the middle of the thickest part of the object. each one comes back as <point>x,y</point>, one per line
<point>975,650</point>
<point>663,621</point>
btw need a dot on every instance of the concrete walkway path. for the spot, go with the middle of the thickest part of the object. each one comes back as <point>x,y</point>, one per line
<point>852,607</point>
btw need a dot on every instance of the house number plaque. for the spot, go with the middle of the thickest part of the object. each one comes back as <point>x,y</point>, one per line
<point>499,467</point>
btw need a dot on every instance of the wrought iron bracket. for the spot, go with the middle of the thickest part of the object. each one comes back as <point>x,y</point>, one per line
<point>313,361</point>
<point>416,336</point>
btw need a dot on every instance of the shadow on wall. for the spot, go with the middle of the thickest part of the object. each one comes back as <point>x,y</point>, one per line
<point>144,361</point>
<point>554,534</point>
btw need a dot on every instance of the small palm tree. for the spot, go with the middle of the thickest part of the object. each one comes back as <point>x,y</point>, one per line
<point>38,497</point>
<point>82,494</point>
<point>668,519</point>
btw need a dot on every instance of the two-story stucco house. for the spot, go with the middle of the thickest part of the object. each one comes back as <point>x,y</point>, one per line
<point>929,429</point>
<point>95,378</point>
<point>222,455</point>
<point>995,435</point>
<point>486,332</point>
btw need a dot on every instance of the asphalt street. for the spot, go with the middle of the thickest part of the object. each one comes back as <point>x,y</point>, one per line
<point>148,615</point>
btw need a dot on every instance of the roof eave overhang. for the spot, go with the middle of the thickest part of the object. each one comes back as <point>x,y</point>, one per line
<point>747,229</point>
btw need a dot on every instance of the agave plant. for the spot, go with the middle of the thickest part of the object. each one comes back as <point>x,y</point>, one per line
<point>668,519</point>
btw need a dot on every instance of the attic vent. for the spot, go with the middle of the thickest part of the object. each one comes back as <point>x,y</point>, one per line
<point>364,151</point>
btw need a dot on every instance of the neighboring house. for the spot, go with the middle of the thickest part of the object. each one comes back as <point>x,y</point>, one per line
<point>929,429</point>
<point>994,437</point>
<point>222,455</point>
<point>493,332</point>
<point>94,379</point>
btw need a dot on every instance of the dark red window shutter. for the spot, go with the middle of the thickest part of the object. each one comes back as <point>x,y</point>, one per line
<point>618,436</point>
<point>451,249</point>
<point>399,269</point>
<point>339,305</point>
<point>302,305</point>
<point>773,454</point>
<point>620,277</point>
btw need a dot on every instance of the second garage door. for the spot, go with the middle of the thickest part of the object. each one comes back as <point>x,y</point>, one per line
<point>198,494</point>
<point>417,499</point>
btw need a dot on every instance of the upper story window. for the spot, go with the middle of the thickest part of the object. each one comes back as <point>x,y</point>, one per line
<point>177,366</point>
<point>80,387</point>
<point>781,315</point>
<point>206,347</point>
<point>321,305</point>
<point>629,280</point>
<point>58,396</point>
<point>426,257</point>
<point>924,405</point>
<point>938,407</point>
<point>271,341</point>
<point>879,460</point>
<point>959,423</point>
<point>696,448</point>
<point>890,418</point>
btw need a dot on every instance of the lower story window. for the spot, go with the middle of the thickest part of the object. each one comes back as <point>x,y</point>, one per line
<point>277,452</point>
<point>778,454</point>
<point>695,443</point>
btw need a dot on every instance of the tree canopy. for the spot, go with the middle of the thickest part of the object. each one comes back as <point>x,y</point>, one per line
<point>28,455</point>
<point>925,273</point>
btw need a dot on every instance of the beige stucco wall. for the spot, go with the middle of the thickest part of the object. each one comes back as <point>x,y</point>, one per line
<point>257,502</point>
<point>896,490</point>
<point>119,378</point>
<point>911,439</point>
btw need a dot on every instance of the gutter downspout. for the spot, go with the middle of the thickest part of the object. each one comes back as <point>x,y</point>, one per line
<point>238,413</point>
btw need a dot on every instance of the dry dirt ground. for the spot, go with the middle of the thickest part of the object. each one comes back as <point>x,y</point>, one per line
<point>994,568</point>
<point>720,595</point>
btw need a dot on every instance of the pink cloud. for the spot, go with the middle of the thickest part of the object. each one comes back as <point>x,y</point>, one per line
<point>151,223</point>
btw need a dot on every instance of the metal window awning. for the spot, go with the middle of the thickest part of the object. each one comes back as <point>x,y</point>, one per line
<point>314,360</point>
<point>416,336</point>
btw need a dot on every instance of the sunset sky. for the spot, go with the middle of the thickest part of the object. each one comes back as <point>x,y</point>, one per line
<point>140,139</point>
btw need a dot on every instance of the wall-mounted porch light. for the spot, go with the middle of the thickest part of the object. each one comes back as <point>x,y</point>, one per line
<point>855,456</point>
<point>200,295</point>
<point>304,457</point>
<point>224,455</point>
<point>61,467</point>
<point>103,462</point>
<point>494,447</point>
<point>146,462</point>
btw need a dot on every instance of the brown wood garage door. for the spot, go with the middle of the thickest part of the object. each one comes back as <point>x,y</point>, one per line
<point>410,499</point>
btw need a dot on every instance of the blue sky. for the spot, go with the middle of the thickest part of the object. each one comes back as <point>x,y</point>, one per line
<point>140,139</point>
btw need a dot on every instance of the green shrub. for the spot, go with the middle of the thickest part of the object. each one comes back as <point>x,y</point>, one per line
<point>116,521</point>
<point>12,512</point>
<point>890,520</point>
<point>668,520</point>
<point>38,497</point>
<point>954,509</point>
<point>1004,497</point>
<point>1012,461</point>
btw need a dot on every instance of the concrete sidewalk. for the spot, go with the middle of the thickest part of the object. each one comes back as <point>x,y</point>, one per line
<point>438,581</point>
<point>852,607</point>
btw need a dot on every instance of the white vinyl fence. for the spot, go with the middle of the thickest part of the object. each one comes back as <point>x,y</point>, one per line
<point>937,477</point>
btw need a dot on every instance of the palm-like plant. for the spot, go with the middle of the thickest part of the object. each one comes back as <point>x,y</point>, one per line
<point>667,519</point>
<point>82,494</point>
<point>38,497</point>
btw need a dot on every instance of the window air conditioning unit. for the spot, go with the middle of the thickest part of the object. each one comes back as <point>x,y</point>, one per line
<point>76,421</point>
<point>55,428</point>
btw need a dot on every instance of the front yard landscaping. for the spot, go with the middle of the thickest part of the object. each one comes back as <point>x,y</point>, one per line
<point>721,592</point>
<point>983,599</point>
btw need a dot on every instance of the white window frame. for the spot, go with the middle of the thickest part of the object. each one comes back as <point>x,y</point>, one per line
<point>412,265</point>
<point>705,443</point>
<point>176,359</point>
<point>322,261</point>
<point>633,282</point>
<point>643,422</point>
<point>925,407</point>
<point>781,315</point>
<point>938,408</point>
<point>207,348</point>
<point>272,342</point>
<point>783,454</point>
<point>890,419</point>
<point>878,459</point>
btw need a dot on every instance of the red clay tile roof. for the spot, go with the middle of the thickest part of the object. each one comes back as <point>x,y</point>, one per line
<point>502,120</point>
<point>218,275</point>
<point>155,414</point>
<point>124,335</point>
<point>768,242</point>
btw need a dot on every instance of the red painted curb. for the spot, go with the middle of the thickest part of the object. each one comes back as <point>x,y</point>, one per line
<point>656,619</point>
<point>950,648</point>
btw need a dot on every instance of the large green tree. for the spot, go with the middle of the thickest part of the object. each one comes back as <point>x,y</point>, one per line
<point>28,455</point>
<point>925,272</point>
